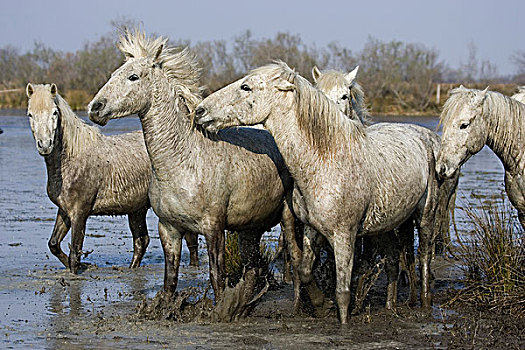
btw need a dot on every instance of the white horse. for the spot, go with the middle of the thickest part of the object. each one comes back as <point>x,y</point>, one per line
<point>344,89</point>
<point>322,149</point>
<point>235,181</point>
<point>474,118</point>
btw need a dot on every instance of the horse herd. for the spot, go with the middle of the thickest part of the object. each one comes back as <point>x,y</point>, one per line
<point>318,168</point>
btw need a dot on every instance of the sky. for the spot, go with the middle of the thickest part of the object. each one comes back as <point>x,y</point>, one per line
<point>496,28</point>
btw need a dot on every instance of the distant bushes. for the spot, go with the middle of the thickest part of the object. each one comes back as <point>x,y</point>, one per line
<point>398,77</point>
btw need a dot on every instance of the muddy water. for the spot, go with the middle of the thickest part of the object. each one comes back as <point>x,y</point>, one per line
<point>43,306</point>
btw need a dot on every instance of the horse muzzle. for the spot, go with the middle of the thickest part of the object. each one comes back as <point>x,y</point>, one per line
<point>44,148</point>
<point>96,112</point>
<point>444,171</point>
<point>203,119</point>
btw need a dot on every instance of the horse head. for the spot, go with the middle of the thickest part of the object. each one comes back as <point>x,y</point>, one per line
<point>464,129</point>
<point>43,114</point>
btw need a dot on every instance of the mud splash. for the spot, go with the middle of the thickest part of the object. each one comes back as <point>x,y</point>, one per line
<point>194,305</point>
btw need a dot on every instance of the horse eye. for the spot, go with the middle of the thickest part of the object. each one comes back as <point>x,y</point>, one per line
<point>55,113</point>
<point>30,115</point>
<point>345,97</point>
<point>245,87</point>
<point>133,77</point>
<point>464,126</point>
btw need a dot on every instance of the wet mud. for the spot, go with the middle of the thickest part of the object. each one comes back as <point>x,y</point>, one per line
<point>109,305</point>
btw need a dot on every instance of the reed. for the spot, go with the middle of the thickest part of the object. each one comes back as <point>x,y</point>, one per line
<point>493,259</point>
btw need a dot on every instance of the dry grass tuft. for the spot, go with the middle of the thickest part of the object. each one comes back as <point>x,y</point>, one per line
<point>493,259</point>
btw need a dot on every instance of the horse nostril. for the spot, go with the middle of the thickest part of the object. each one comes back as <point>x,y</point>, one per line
<point>200,111</point>
<point>442,170</point>
<point>39,143</point>
<point>98,105</point>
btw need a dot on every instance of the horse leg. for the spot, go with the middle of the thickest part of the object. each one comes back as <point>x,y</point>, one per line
<point>215,242</point>
<point>139,230</point>
<point>78,231</point>
<point>515,187</point>
<point>288,224</point>
<point>192,241</point>
<point>407,257</point>
<point>171,240</point>
<point>250,248</point>
<point>62,225</point>
<point>310,240</point>
<point>343,244</point>
<point>392,252</point>
<point>426,232</point>
<point>446,199</point>
<point>365,252</point>
<point>521,218</point>
<point>283,251</point>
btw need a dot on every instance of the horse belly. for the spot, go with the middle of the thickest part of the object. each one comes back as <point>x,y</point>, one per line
<point>393,205</point>
<point>256,206</point>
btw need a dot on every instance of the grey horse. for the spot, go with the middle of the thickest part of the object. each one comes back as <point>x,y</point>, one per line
<point>90,174</point>
<point>236,180</point>
<point>322,149</point>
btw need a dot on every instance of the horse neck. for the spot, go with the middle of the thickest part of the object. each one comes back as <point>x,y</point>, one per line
<point>505,134</point>
<point>56,159</point>
<point>170,139</point>
<point>301,157</point>
<point>75,136</point>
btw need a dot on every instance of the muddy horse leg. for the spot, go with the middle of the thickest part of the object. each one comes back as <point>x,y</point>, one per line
<point>343,244</point>
<point>192,241</point>
<point>310,243</point>
<point>288,226</point>
<point>250,248</point>
<point>283,251</point>
<point>171,240</point>
<point>392,251</point>
<point>521,218</point>
<point>215,242</point>
<point>78,231</point>
<point>408,259</point>
<point>62,225</point>
<point>139,230</point>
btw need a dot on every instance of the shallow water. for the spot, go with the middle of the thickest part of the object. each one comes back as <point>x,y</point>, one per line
<point>44,306</point>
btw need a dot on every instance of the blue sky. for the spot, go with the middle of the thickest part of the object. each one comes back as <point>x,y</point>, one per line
<point>495,27</point>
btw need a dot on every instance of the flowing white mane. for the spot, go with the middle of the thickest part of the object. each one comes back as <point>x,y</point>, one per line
<point>324,125</point>
<point>180,65</point>
<point>77,136</point>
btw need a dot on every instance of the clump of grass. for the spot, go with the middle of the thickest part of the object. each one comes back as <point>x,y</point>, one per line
<point>234,267</point>
<point>493,258</point>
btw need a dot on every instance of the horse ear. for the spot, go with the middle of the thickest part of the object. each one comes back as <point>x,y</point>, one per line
<point>29,90</point>
<point>316,73</point>
<point>128,55</point>
<point>350,77</point>
<point>53,89</point>
<point>285,86</point>
<point>482,95</point>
